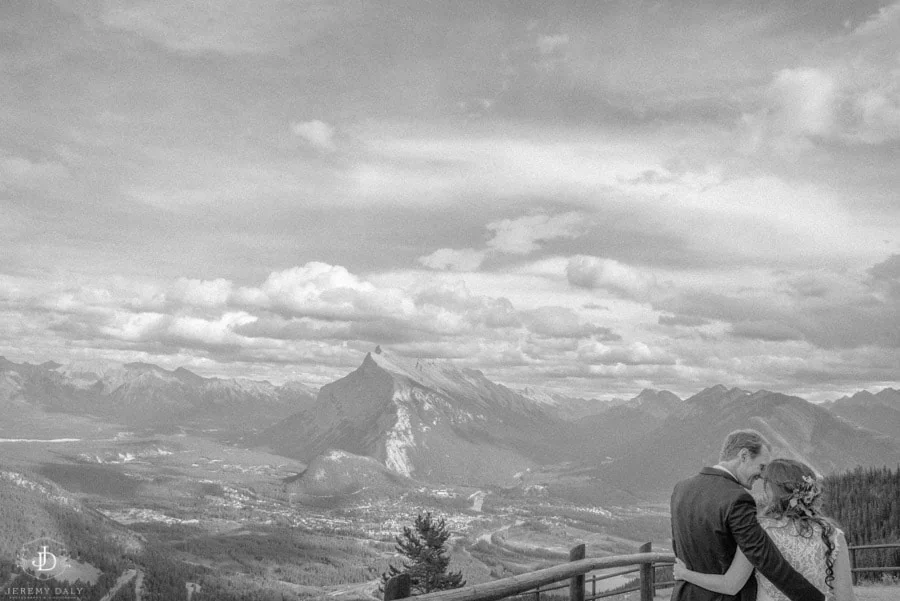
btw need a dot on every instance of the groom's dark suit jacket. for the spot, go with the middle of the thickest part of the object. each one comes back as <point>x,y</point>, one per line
<point>712,514</point>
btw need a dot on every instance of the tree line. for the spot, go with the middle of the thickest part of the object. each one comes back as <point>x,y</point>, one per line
<point>865,502</point>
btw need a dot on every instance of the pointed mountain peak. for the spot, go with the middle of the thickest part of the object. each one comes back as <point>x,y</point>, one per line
<point>716,394</point>
<point>185,375</point>
<point>141,366</point>
<point>368,362</point>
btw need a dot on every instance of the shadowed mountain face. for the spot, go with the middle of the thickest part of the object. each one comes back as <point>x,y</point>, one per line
<point>796,428</point>
<point>602,435</point>
<point>144,395</point>
<point>879,412</point>
<point>426,420</point>
<point>335,473</point>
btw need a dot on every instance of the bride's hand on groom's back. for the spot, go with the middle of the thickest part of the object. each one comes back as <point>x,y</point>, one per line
<point>678,569</point>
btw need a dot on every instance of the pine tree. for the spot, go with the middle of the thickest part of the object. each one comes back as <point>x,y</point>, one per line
<point>424,546</point>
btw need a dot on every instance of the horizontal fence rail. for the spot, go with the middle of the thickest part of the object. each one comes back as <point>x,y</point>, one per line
<point>854,560</point>
<point>538,581</point>
<point>571,575</point>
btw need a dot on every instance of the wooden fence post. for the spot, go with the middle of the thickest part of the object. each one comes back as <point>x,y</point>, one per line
<point>398,587</point>
<point>646,575</point>
<point>576,583</point>
<point>854,578</point>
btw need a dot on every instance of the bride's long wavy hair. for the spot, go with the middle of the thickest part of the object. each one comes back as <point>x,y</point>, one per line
<point>795,494</point>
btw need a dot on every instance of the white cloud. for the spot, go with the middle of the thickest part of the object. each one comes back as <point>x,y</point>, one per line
<point>318,133</point>
<point>884,22</point>
<point>465,259</point>
<point>564,322</point>
<point>804,101</point>
<point>522,235</point>
<point>220,331</point>
<point>327,291</point>
<point>636,353</point>
<point>595,272</point>
<point>135,326</point>
<point>801,104</point>
<point>202,293</point>
<point>519,236</point>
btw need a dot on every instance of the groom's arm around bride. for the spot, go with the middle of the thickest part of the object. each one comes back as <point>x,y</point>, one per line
<point>713,514</point>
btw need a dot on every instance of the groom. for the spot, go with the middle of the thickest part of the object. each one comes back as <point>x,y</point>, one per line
<point>713,515</point>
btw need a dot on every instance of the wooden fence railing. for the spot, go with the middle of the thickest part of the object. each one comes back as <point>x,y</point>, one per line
<point>854,560</point>
<point>571,576</point>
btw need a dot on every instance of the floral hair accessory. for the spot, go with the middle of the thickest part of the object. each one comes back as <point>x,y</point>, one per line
<point>804,495</point>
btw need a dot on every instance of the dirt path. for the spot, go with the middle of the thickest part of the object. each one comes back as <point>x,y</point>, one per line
<point>125,578</point>
<point>139,585</point>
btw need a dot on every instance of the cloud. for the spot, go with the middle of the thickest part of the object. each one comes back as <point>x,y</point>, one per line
<point>883,23</point>
<point>466,259</point>
<point>800,107</point>
<point>210,333</point>
<point>135,327</point>
<point>229,27</point>
<point>548,44</point>
<point>318,134</point>
<point>202,293</point>
<point>878,112</point>
<point>20,172</point>
<point>804,101</point>
<point>563,322</point>
<point>851,97</point>
<point>889,269</point>
<point>636,353</point>
<point>766,330</point>
<point>325,291</point>
<point>594,272</point>
<point>522,236</point>
<point>689,321</point>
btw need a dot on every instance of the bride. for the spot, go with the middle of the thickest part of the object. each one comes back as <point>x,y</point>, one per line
<point>809,541</point>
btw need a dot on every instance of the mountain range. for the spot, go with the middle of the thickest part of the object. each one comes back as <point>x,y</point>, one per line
<point>395,420</point>
<point>879,411</point>
<point>141,395</point>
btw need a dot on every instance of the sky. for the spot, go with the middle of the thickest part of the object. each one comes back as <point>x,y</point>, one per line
<point>585,197</point>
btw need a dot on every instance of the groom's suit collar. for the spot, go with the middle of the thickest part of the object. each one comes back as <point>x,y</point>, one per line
<point>717,471</point>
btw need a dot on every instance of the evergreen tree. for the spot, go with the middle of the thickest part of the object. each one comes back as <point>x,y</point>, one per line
<point>424,546</point>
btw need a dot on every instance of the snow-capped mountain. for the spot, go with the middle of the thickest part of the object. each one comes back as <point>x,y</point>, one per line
<point>567,407</point>
<point>427,420</point>
<point>142,394</point>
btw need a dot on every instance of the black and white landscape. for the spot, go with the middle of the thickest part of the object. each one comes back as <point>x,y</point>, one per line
<point>200,466</point>
<point>276,276</point>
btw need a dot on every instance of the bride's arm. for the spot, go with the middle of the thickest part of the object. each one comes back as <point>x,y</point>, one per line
<point>728,583</point>
<point>843,577</point>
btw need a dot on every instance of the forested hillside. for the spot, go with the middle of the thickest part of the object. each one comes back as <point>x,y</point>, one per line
<point>866,504</point>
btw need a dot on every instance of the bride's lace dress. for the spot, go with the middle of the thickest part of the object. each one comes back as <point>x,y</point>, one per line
<point>805,553</point>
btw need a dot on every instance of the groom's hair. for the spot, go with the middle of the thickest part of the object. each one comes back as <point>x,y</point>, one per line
<point>751,440</point>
